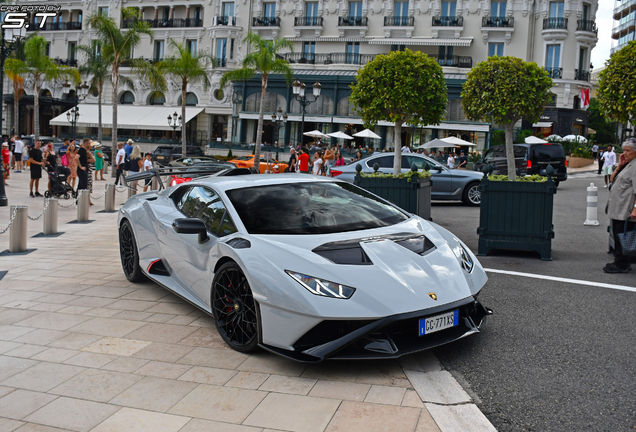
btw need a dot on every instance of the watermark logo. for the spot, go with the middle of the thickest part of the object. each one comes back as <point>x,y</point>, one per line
<point>17,16</point>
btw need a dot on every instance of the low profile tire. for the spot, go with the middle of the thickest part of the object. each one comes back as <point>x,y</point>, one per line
<point>47,194</point>
<point>234,309</point>
<point>129,254</point>
<point>67,196</point>
<point>472,195</point>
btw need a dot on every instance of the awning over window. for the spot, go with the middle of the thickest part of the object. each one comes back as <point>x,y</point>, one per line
<point>151,117</point>
<point>542,125</point>
<point>422,41</point>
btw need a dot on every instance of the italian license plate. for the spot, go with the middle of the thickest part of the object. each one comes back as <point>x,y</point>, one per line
<point>439,322</point>
<point>159,157</point>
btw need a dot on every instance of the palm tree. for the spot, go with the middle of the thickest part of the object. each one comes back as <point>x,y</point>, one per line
<point>116,45</point>
<point>263,59</point>
<point>38,66</point>
<point>188,68</point>
<point>14,71</point>
<point>96,66</point>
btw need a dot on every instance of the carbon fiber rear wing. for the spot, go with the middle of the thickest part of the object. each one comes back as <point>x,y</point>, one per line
<point>183,171</point>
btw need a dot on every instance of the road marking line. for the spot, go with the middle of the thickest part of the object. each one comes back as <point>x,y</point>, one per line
<point>566,280</point>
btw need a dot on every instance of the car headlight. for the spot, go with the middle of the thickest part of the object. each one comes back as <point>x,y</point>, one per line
<point>322,287</point>
<point>466,260</point>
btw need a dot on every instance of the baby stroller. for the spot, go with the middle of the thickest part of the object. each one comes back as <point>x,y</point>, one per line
<point>59,185</point>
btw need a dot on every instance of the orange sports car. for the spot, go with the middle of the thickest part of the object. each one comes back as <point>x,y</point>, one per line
<point>248,162</point>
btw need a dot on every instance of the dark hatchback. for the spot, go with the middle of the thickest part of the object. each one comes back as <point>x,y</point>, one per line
<point>163,155</point>
<point>530,159</point>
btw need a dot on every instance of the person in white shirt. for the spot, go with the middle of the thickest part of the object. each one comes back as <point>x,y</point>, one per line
<point>119,162</point>
<point>594,151</point>
<point>147,166</point>
<point>609,158</point>
<point>450,161</point>
<point>19,148</point>
<point>406,149</point>
<point>317,163</point>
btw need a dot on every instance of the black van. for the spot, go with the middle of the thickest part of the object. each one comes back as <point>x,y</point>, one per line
<point>164,154</point>
<point>529,159</point>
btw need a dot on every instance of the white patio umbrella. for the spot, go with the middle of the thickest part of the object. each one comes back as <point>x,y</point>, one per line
<point>315,134</point>
<point>458,142</point>
<point>340,135</point>
<point>534,140</point>
<point>437,143</point>
<point>367,133</point>
<point>575,138</point>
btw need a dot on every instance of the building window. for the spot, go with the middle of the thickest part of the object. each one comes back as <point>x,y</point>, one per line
<point>191,45</point>
<point>449,9</point>
<point>498,9</point>
<point>159,50</point>
<point>157,98</point>
<point>228,9</point>
<point>553,57</point>
<point>191,99</point>
<point>556,9</point>
<point>221,52</point>
<point>586,11</point>
<point>218,95</point>
<point>197,13</point>
<point>355,9</point>
<point>353,53</point>
<point>126,98</point>
<point>47,49</point>
<point>312,10</point>
<point>445,56</point>
<point>103,11</point>
<point>398,47</point>
<point>309,50</point>
<point>553,100</point>
<point>495,49</point>
<point>71,50</point>
<point>401,9</point>
<point>231,49</point>
<point>270,10</point>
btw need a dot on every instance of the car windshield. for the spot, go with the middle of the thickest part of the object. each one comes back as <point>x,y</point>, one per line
<point>311,208</point>
<point>244,158</point>
<point>548,151</point>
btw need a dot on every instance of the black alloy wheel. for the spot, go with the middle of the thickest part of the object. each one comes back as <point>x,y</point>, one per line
<point>234,308</point>
<point>129,254</point>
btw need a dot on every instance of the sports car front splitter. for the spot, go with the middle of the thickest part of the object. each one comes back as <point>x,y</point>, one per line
<point>388,337</point>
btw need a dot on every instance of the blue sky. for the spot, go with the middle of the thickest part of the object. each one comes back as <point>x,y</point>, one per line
<point>604,22</point>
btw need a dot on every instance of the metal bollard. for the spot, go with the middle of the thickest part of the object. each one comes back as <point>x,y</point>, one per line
<point>50,218</point>
<point>592,206</point>
<point>105,167</point>
<point>154,185</point>
<point>109,205</point>
<point>83,205</point>
<point>18,233</point>
<point>132,189</point>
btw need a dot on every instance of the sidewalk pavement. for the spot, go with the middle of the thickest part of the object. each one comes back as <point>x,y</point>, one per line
<point>82,349</point>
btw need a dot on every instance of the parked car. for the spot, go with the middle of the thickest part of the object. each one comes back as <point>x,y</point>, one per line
<point>530,159</point>
<point>196,160</point>
<point>195,171</point>
<point>448,184</point>
<point>266,164</point>
<point>165,154</point>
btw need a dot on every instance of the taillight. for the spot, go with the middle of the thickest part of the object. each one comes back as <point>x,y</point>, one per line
<point>335,173</point>
<point>566,163</point>
<point>529,164</point>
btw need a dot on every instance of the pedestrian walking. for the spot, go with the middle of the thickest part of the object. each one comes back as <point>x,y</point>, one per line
<point>609,163</point>
<point>135,163</point>
<point>594,151</point>
<point>600,160</point>
<point>450,162</point>
<point>6,162</point>
<point>303,161</point>
<point>35,159</point>
<point>18,149</point>
<point>462,161</point>
<point>621,207</point>
<point>291,165</point>
<point>120,159</point>
<point>99,161</point>
<point>84,176</point>
<point>50,159</point>
<point>147,166</point>
<point>318,161</point>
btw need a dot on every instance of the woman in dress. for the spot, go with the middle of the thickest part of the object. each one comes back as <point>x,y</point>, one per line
<point>72,156</point>
<point>99,161</point>
<point>317,163</point>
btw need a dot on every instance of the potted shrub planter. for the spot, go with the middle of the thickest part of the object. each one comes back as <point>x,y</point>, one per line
<point>410,191</point>
<point>516,215</point>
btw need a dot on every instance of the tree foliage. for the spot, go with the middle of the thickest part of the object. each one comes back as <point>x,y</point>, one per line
<point>504,90</point>
<point>605,130</point>
<point>400,87</point>
<point>617,85</point>
<point>263,59</point>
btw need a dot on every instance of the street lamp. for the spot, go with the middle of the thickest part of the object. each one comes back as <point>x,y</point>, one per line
<point>175,121</point>
<point>279,119</point>
<point>6,46</point>
<point>237,98</point>
<point>72,115</point>
<point>298,88</point>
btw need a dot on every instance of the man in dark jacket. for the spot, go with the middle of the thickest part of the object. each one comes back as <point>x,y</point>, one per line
<point>292,161</point>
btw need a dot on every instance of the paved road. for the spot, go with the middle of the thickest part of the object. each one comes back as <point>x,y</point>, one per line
<point>555,356</point>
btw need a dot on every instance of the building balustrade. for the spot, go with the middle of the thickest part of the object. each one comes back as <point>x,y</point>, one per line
<point>52,26</point>
<point>66,62</point>
<point>448,21</point>
<point>159,23</point>
<point>586,25</point>
<point>498,22</point>
<point>624,8</point>
<point>308,21</point>
<point>224,20</point>
<point>399,21</point>
<point>453,61</point>
<point>221,62</point>
<point>328,58</point>
<point>556,73</point>
<point>352,21</point>
<point>582,75</point>
<point>266,22</point>
<point>555,23</point>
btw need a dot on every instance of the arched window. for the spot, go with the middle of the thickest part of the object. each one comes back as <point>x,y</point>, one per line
<point>127,98</point>
<point>157,98</point>
<point>45,93</point>
<point>273,101</point>
<point>191,99</point>
<point>322,106</point>
<point>345,109</point>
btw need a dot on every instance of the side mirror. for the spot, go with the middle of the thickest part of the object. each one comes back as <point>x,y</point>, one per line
<point>437,168</point>
<point>191,226</point>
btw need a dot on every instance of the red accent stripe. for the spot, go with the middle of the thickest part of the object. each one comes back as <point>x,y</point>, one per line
<point>153,263</point>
